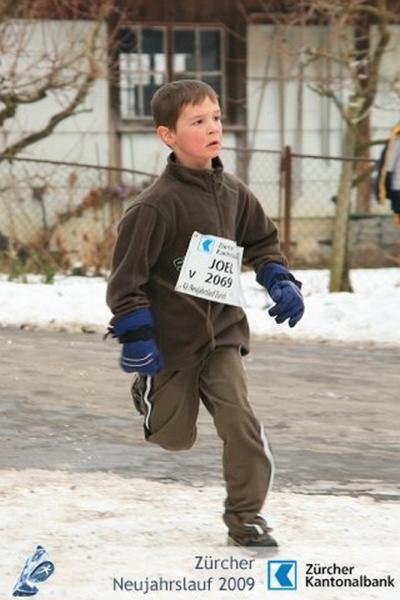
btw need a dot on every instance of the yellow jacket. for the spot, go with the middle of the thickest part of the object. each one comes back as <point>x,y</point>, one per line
<point>383,192</point>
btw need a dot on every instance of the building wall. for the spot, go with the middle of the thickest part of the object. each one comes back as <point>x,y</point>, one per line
<point>274,119</point>
<point>81,138</point>
<point>275,114</point>
<point>274,89</point>
<point>283,110</point>
<point>386,111</point>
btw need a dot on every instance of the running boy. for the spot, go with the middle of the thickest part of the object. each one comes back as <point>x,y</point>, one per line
<point>185,347</point>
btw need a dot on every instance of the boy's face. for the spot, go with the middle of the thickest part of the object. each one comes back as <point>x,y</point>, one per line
<point>197,137</point>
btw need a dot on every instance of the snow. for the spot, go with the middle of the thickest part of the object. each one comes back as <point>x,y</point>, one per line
<point>98,526</point>
<point>369,315</point>
<point>105,526</point>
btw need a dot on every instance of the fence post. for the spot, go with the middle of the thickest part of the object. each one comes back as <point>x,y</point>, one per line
<point>286,167</point>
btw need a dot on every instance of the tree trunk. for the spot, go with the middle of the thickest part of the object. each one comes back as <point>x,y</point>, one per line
<point>339,274</point>
<point>362,32</point>
<point>364,188</point>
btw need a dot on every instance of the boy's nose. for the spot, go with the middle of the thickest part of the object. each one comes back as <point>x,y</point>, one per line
<point>214,127</point>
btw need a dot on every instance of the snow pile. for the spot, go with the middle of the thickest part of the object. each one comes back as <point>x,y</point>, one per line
<point>371,314</point>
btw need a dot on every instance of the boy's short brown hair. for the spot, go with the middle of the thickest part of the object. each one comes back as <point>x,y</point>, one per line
<point>169,99</point>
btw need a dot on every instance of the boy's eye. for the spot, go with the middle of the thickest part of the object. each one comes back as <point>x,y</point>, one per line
<point>217,118</point>
<point>199,121</point>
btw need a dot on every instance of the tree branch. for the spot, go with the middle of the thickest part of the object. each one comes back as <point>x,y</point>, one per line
<point>52,123</point>
<point>12,100</point>
<point>366,145</point>
<point>8,111</point>
<point>364,175</point>
<point>319,54</point>
<point>328,93</point>
<point>375,61</point>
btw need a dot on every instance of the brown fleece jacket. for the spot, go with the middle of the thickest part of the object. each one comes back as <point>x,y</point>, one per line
<point>153,237</point>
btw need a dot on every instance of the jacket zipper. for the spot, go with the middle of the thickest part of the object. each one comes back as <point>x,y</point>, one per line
<point>220,214</point>
<point>222,233</point>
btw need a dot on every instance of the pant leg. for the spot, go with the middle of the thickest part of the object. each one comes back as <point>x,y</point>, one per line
<point>247,459</point>
<point>171,402</point>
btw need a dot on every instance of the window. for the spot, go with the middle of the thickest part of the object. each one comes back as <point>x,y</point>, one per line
<point>149,57</point>
<point>142,69</point>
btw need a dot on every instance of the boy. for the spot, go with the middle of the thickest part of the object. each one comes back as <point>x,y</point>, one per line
<point>184,347</point>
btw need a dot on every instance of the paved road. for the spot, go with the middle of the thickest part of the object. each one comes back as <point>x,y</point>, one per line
<point>331,413</point>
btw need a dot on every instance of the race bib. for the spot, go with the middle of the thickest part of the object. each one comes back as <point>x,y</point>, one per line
<point>211,270</point>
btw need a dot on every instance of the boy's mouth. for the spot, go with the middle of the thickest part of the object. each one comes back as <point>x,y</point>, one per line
<point>214,143</point>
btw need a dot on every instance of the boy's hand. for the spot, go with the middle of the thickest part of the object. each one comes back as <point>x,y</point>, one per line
<point>140,352</point>
<point>284,290</point>
<point>142,356</point>
<point>289,302</point>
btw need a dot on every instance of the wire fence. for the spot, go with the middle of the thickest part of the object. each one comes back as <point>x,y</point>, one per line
<point>63,216</point>
<point>300,193</point>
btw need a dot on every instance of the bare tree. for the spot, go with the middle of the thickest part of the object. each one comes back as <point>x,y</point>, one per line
<point>359,54</point>
<point>51,52</point>
<point>357,35</point>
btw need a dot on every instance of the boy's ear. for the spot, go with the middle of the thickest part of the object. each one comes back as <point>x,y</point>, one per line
<point>166,135</point>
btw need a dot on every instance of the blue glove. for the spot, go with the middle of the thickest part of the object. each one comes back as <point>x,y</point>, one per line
<point>140,352</point>
<point>284,290</point>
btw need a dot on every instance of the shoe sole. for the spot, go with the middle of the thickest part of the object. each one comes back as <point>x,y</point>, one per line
<point>255,551</point>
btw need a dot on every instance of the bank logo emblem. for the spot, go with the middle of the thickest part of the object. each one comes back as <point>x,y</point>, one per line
<point>282,575</point>
<point>206,244</point>
<point>37,569</point>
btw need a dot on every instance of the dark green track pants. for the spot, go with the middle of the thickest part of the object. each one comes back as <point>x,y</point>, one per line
<point>171,409</point>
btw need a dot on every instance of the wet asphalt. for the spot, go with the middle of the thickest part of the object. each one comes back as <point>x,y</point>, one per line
<point>331,412</point>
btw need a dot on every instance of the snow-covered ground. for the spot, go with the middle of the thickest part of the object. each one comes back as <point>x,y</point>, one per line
<point>370,314</point>
<point>101,527</point>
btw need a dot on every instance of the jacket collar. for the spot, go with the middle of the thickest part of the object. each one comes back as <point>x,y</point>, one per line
<point>203,178</point>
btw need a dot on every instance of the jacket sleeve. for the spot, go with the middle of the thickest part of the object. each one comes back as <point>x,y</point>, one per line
<point>257,233</point>
<point>141,235</point>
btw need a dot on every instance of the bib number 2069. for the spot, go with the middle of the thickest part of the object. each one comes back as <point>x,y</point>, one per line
<point>220,278</point>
